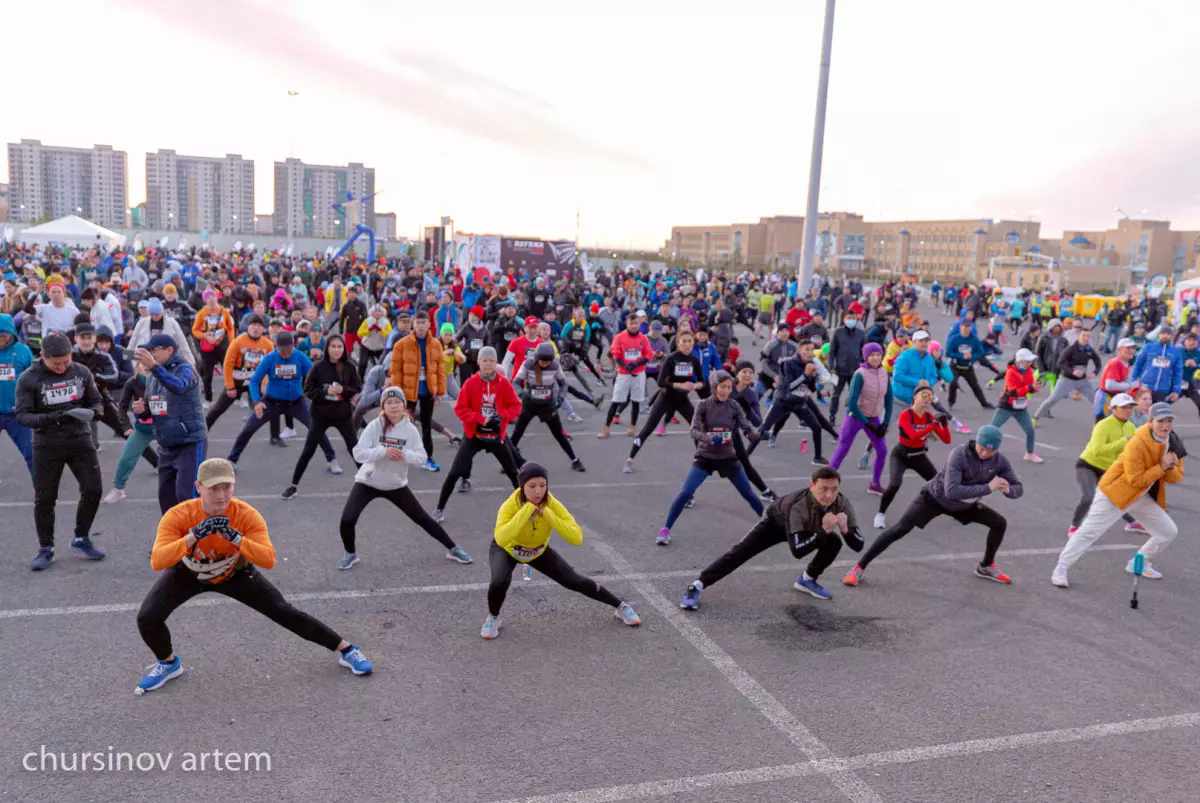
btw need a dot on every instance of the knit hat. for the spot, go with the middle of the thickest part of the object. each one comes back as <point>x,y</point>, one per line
<point>871,348</point>
<point>989,437</point>
<point>717,377</point>
<point>477,311</point>
<point>743,364</point>
<point>446,327</point>
<point>487,351</point>
<point>544,351</point>
<point>155,307</point>
<point>392,392</point>
<point>529,471</point>
<point>209,293</point>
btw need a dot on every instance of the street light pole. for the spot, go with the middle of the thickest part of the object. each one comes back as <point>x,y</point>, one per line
<point>818,147</point>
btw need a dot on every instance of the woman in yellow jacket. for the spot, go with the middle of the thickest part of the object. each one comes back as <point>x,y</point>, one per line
<point>523,527</point>
<point>1135,483</point>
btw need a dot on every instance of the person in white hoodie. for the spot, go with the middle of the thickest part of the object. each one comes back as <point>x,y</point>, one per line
<point>386,448</point>
<point>156,322</point>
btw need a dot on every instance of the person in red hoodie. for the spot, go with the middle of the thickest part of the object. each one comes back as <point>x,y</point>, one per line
<point>486,405</point>
<point>520,347</point>
<point>797,317</point>
<point>911,452</point>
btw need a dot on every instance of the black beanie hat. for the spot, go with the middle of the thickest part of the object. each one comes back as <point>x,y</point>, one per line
<point>529,471</point>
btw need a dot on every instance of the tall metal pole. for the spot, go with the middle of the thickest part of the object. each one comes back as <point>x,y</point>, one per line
<point>818,147</point>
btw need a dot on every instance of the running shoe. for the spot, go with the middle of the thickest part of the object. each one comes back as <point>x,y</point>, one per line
<point>627,468</point>
<point>617,418</point>
<point>664,537</point>
<point>243,403</point>
<point>438,515</point>
<point>491,627</point>
<point>459,555</point>
<point>335,467</point>
<point>159,673</point>
<point>603,434</point>
<point>690,503</point>
<point>769,496</point>
<point>809,586</point>
<point>287,432</point>
<point>992,573</point>
<point>880,521</point>
<point>991,382</point>
<point>875,488</point>
<point>1034,458</point>
<point>353,659</point>
<point>989,406</point>
<point>645,409</point>
<point>632,431</point>
<point>771,442</point>
<point>674,419</point>
<point>1135,527</point>
<point>1071,531</point>
<point>290,492</point>
<point>278,442</point>
<point>464,486</point>
<point>1035,423</point>
<point>627,614</point>
<point>85,547</point>
<point>432,466</point>
<point>862,461</point>
<point>1148,571</point>
<point>853,577</point>
<point>1059,577</point>
<point>962,428</point>
<point>662,429</point>
<point>574,419</point>
<point>577,465</point>
<point>598,402</point>
<point>820,461</point>
<point>348,560</point>
<point>691,598</point>
<point>43,559</point>
<point>113,496</point>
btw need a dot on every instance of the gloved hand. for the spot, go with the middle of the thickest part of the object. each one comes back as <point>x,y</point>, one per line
<point>84,414</point>
<point>211,526</point>
<point>556,402</point>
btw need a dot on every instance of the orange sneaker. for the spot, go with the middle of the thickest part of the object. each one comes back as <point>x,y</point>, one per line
<point>992,573</point>
<point>853,577</point>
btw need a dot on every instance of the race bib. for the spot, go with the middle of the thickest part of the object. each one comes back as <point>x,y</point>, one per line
<point>541,394</point>
<point>487,411</point>
<point>683,370</point>
<point>476,344</point>
<point>61,393</point>
<point>8,373</point>
<point>577,334</point>
<point>284,371</point>
<point>330,395</point>
<point>213,321</point>
<point>726,435</point>
<point>1020,403</point>
<point>539,299</point>
<point>392,442</point>
<point>526,554</point>
<point>510,336</point>
<point>1161,362</point>
<point>421,376</point>
<point>157,405</point>
<point>964,350</point>
<point>632,354</point>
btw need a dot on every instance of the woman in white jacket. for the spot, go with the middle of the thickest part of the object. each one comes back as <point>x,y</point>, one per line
<point>386,448</point>
<point>156,322</point>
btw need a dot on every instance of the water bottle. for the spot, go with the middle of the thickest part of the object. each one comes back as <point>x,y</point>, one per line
<point>804,446</point>
<point>528,572</point>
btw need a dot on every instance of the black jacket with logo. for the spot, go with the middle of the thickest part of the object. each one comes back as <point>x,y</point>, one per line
<point>44,397</point>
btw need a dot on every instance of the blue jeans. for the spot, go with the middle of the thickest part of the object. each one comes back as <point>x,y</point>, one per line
<point>177,467</point>
<point>1023,418</point>
<point>1111,335</point>
<point>696,477</point>
<point>22,437</point>
<point>141,437</point>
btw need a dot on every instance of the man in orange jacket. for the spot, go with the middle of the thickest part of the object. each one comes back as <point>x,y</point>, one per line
<point>1133,484</point>
<point>418,369</point>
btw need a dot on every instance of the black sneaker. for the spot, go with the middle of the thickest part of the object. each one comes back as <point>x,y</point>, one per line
<point>464,486</point>
<point>577,465</point>
<point>290,492</point>
<point>279,442</point>
<point>820,461</point>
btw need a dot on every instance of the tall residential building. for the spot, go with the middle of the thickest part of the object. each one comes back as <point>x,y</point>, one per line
<point>385,225</point>
<point>199,193</point>
<point>305,194</point>
<point>49,182</point>
<point>4,202</point>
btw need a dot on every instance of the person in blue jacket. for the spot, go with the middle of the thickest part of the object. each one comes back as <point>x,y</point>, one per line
<point>709,357</point>
<point>964,349</point>
<point>1159,367</point>
<point>912,366</point>
<point>15,357</point>
<point>284,370</point>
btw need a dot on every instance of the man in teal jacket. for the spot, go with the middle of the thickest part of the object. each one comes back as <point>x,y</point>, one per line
<point>15,357</point>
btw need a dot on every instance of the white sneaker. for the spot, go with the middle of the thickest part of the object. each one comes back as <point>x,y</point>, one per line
<point>335,467</point>
<point>1148,571</point>
<point>1033,457</point>
<point>1059,577</point>
<point>287,432</point>
<point>243,402</point>
<point>113,496</point>
<point>880,521</point>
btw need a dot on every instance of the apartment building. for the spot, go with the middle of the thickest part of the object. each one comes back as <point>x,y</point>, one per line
<point>199,193</point>
<point>48,182</point>
<point>305,194</point>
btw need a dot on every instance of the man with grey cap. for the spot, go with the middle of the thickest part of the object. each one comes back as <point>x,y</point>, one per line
<point>1134,484</point>
<point>57,399</point>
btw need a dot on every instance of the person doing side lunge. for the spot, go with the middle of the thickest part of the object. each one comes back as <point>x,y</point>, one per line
<point>869,409</point>
<point>911,452</point>
<point>541,385</point>
<point>678,376</point>
<point>713,425</point>
<point>523,527</point>
<point>1019,385</point>
<point>387,447</point>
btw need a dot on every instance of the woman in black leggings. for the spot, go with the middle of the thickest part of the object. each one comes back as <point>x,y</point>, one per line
<point>911,452</point>
<point>541,384</point>
<point>745,395</point>
<point>388,446</point>
<point>329,386</point>
<point>680,374</point>
<point>523,526</point>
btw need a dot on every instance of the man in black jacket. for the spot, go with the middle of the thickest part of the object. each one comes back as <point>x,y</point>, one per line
<point>58,399</point>
<point>354,312</point>
<point>845,355</point>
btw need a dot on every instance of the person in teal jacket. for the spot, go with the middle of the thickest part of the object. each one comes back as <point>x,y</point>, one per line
<point>15,357</point>
<point>912,366</point>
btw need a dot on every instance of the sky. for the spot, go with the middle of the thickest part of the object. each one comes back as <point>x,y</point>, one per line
<point>512,117</point>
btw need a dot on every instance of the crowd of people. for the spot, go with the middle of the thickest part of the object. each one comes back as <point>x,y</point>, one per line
<point>157,346</point>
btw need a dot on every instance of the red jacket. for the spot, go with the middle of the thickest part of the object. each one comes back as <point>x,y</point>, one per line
<point>913,433</point>
<point>797,317</point>
<point>1018,386</point>
<point>625,344</point>
<point>476,395</point>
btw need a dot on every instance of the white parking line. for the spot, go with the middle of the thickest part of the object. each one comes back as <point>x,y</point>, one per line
<point>453,588</point>
<point>846,781</point>
<point>1038,444</point>
<point>695,783</point>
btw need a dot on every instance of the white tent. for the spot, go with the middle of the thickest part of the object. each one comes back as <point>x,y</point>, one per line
<point>72,230</point>
<point>1186,292</point>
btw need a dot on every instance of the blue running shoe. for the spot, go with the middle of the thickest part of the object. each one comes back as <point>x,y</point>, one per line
<point>809,586</point>
<point>85,547</point>
<point>44,558</point>
<point>348,560</point>
<point>862,461</point>
<point>432,466</point>
<point>691,598</point>
<point>159,673</point>
<point>353,659</point>
<point>491,627</point>
<point>458,554</point>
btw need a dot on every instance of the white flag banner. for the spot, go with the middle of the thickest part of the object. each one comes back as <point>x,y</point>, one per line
<point>487,252</point>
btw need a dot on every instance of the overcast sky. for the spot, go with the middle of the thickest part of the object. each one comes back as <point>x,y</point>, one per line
<point>510,116</point>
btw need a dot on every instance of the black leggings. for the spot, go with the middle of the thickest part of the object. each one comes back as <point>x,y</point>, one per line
<point>900,460</point>
<point>843,382</point>
<point>209,360</point>
<point>968,374</point>
<point>809,417</point>
<point>924,510</point>
<point>316,431</point>
<point>764,535</point>
<point>739,447</point>
<point>361,495</point>
<point>274,409</point>
<point>223,403</point>
<point>547,415</point>
<point>424,405</point>
<point>549,563</point>
<point>49,460</point>
<point>461,467</point>
<point>667,404</point>
<point>248,586</point>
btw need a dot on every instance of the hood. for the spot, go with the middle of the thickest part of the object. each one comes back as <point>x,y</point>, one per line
<point>6,325</point>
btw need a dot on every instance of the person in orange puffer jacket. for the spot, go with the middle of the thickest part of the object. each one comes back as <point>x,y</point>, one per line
<point>418,368</point>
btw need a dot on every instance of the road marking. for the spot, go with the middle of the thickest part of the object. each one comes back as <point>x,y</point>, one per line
<point>1039,444</point>
<point>452,588</point>
<point>845,780</point>
<point>695,783</point>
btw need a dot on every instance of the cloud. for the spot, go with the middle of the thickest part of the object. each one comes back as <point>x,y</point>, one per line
<point>419,85</point>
